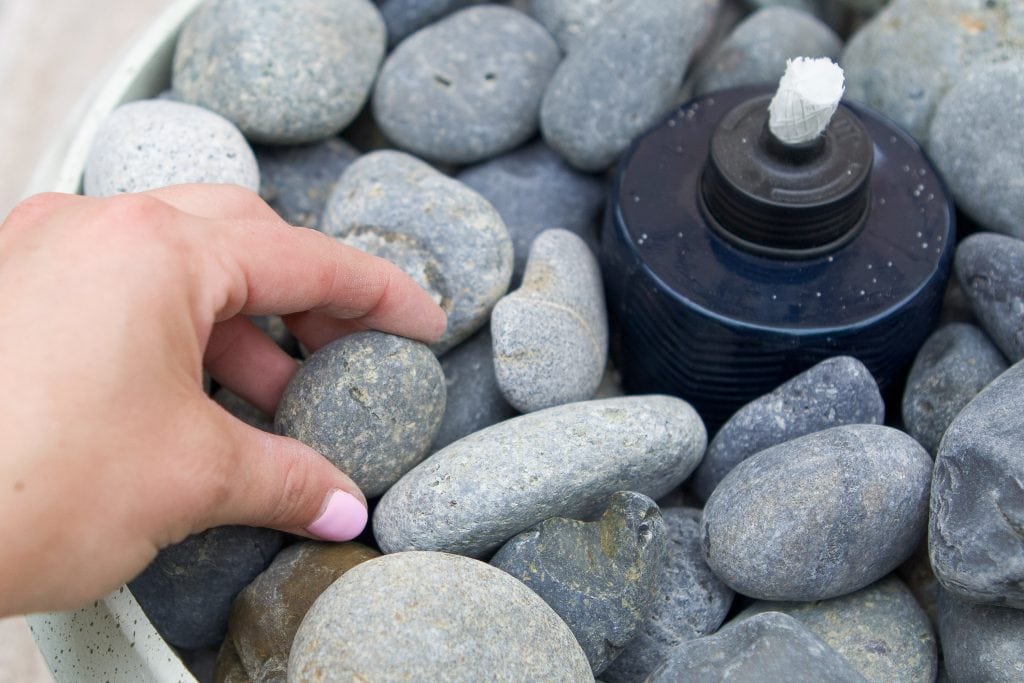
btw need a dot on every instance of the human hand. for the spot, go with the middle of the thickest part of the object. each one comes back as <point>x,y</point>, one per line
<point>109,310</point>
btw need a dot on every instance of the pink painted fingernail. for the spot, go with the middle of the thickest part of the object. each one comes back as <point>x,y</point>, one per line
<point>343,518</point>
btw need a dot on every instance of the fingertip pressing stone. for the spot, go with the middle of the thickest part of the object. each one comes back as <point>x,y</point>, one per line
<point>976,528</point>
<point>297,180</point>
<point>243,410</point>
<point>284,73</point>
<point>691,601</point>
<point>551,335</point>
<point>767,647</point>
<point>534,189</point>
<point>990,269</point>
<point>441,233</point>
<point>405,17</point>
<point>187,590</point>
<point>569,21</point>
<point>482,490</point>
<point>819,516</point>
<point>467,87</point>
<point>880,630</point>
<point>834,392</point>
<point>981,642</point>
<point>370,402</point>
<point>147,144</point>
<point>433,616</point>
<point>599,577</point>
<point>956,362</point>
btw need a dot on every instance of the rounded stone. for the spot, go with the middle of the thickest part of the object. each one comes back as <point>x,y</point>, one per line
<point>405,17</point>
<point>569,21</point>
<point>370,402</point>
<point>981,642</point>
<point>819,516</point>
<point>977,499</point>
<point>482,490</point>
<point>691,601</point>
<point>551,335</point>
<point>148,144</point>
<point>243,410</point>
<point>468,87</point>
<point>834,392</point>
<point>599,577</point>
<point>297,180</point>
<point>976,140</point>
<point>284,73</point>
<point>433,616</point>
<point>956,362</point>
<point>990,269</point>
<point>880,630</point>
<point>440,232</point>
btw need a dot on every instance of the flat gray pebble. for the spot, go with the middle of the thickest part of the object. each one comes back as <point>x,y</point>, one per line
<point>981,642</point>
<point>405,17</point>
<point>440,232</point>
<point>990,269</point>
<point>569,21</point>
<point>977,502</point>
<point>284,73</point>
<point>468,87</point>
<point>551,335</point>
<point>691,601</point>
<point>432,616</point>
<point>956,362</point>
<point>819,516</point>
<point>243,410</point>
<point>565,461</point>
<point>297,180</point>
<point>834,392</point>
<point>370,402</point>
<point>148,144</point>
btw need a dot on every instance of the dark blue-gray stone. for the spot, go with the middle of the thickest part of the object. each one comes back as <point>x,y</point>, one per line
<point>768,647</point>
<point>187,590</point>
<point>691,601</point>
<point>297,180</point>
<point>599,576</point>
<point>990,269</point>
<point>976,531</point>
<point>534,189</point>
<point>819,516</point>
<point>283,72</point>
<point>243,410</point>
<point>569,21</point>
<point>405,17</point>
<point>956,362</point>
<point>468,87</point>
<point>834,392</point>
<point>981,642</point>
<point>370,402</point>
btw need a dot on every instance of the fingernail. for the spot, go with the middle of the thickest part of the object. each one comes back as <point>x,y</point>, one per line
<point>343,518</point>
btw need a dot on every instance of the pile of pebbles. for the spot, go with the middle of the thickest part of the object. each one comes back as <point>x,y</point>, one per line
<point>529,521</point>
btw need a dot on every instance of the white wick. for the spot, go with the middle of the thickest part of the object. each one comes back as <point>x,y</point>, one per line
<point>808,95</point>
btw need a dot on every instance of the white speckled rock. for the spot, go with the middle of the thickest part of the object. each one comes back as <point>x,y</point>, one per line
<point>147,144</point>
<point>551,335</point>
<point>443,234</point>
<point>425,616</point>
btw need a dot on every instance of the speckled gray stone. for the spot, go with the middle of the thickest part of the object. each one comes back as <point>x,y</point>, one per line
<point>956,362</point>
<point>691,601</point>
<point>370,402</point>
<point>243,410</point>
<point>977,141</point>
<point>551,335</point>
<point>186,591</point>
<point>880,630</point>
<point>405,17</point>
<point>768,647</point>
<point>819,516</point>
<point>757,49</point>
<point>285,73</point>
<point>904,59</point>
<point>976,529</point>
<point>297,180</point>
<point>834,392</point>
<point>474,400</point>
<point>148,144</point>
<point>616,83</point>
<point>534,189</point>
<point>424,616</point>
<point>981,642</point>
<point>990,269</point>
<point>565,461</point>
<point>468,87</point>
<point>443,234</point>
<point>599,577</point>
<point>569,21</point>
